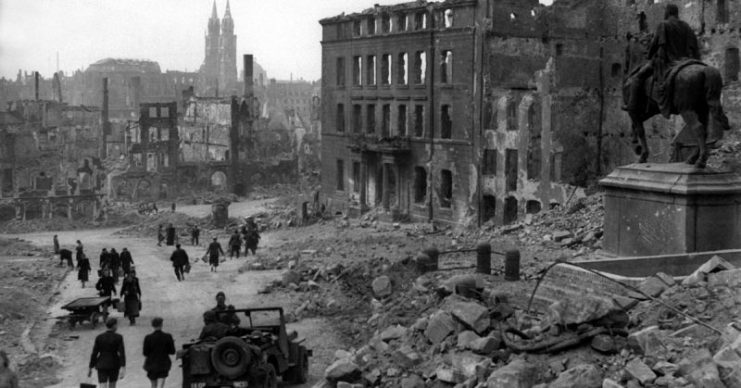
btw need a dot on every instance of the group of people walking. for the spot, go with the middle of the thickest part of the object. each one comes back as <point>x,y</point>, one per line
<point>249,235</point>
<point>109,355</point>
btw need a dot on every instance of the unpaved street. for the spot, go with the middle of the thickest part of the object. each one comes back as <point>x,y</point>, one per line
<point>181,304</point>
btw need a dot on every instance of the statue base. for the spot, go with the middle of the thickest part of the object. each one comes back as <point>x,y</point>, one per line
<point>660,209</point>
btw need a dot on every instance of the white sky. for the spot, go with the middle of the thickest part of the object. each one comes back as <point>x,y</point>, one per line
<point>283,35</point>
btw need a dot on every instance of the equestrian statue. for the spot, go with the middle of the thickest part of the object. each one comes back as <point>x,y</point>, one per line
<point>665,75</point>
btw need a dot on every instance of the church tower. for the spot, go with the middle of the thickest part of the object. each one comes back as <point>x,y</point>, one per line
<point>228,54</point>
<point>211,63</point>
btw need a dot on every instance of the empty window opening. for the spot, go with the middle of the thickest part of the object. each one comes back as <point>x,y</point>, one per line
<point>448,15</point>
<point>386,123</point>
<point>533,145</point>
<point>490,162</point>
<point>731,65</point>
<point>489,207</point>
<point>420,184</point>
<point>164,134</point>
<point>446,66</point>
<point>446,188</point>
<point>512,114</point>
<point>356,30</point>
<point>356,177</point>
<point>340,122</point>
<point>490,116</point>
<point>386,69</point>
<point>532,12</point>
<point>385,23</point>
<point>357,118</point>
<point>401,22</point>
<point>370,66</point>
<point>532,207</point>
<point>512,16</point>
<point>419,120</point>
<point>722,11</point>
<point>556,161</point>
<point>402,68</point>
<point>370,119</point>
<point>559,49</point>
<point>642,23</point>
<point>446,122</point>
<point>340,175</point>
<point>340,71</point>
<point>510,169</point>
<point>402,120</point>
<point>420,67</point>
<point>616,70</point>
<point>164,111</point>
<point>357,70</point>
<point>420,20</point>
<point>152,111</point>
<point>510,210</point>
<point>371,25</point>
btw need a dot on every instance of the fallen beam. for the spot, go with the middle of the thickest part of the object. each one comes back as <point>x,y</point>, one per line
<point>678,264</point>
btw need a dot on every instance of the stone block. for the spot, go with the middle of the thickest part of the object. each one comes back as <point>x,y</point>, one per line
<point>342,370</point>
<point>700,369</point>
<point>472,314</point>
<point>715,264</point>
<point>465,338</point>
<point>412,381</point>
<point>449,375</point>
<point>382,286</point>
<point>485,345</point>
<point>517,374</point>
<point>439,327</point>
<point>640,371</point>
<point>727,278</point>
<point>393,332</point>
<point>665,368</point>
<point>560,235</point>
<point>580,376</point>
<point>647,341</point>
<point>652,286</point>
<point>610,383</point>
<point>603,343</point>
<point>667,279</point>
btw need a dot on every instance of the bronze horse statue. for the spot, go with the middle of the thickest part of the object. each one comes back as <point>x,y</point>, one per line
<point>696,98</point>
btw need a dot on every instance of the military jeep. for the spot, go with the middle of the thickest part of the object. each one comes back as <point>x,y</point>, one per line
<point>252,355</point>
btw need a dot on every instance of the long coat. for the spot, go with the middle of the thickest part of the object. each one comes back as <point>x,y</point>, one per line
<point>132,293</point>
<point>83,269</point>
<point>158,346</point>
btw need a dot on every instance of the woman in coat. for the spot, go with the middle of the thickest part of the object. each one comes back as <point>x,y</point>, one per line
<point>83,270</point>
<point>132,294</point>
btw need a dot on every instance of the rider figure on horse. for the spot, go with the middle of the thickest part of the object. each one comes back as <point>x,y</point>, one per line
<point>673,42</point>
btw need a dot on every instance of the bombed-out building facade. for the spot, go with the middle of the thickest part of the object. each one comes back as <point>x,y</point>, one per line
<point>475,111</point>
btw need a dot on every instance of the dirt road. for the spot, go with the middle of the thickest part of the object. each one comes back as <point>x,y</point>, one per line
<point>181,304</point>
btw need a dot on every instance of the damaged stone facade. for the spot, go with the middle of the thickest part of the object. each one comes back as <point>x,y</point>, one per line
<point>49,164</point>
<point>521,102</point>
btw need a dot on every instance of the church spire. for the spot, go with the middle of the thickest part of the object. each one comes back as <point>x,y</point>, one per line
<point>213,22</point>
<point>227,24</point>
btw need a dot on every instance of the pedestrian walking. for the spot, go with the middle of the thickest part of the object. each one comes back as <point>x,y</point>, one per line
<point>8,378</point>
<point>105,259</point>
<point>180,261</point>
<point>83,270</point>
<point>127,262</point>
<point>251,241</point>
<point>158,346</point>
<point>106,286</point>
<point>195,233</point>
<point>160,236</point>
<point>172,207</point>
<point>115,263</point>
<point>65,255</point>
<point>109,356</point>
<point>214,249</point>
<point>132,293</point>
<point>79,251</point>
<point>235,244</point>
<point>170,235</point>
<point>56,245</point>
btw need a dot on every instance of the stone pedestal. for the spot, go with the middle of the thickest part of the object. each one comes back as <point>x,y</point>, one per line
<point>659,209</point>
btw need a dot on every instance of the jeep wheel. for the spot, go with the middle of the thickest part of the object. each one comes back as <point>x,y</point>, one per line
<point>271,381</point>
<point>230,357</point>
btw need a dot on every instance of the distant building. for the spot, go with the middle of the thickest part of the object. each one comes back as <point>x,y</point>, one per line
<point>218,73</point>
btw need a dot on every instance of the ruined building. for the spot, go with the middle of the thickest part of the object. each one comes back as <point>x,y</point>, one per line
<point>473,111</point>
<point>218,74</point>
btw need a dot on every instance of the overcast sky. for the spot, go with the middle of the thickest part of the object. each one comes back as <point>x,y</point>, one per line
<point>283,35</point>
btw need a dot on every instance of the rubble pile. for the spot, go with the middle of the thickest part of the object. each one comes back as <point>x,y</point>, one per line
<point>469,334</point>
<point>116,218</point>
<point>206,197</point>
<point>28,278</point>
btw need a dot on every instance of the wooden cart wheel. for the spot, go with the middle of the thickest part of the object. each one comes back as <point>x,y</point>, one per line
<point>94,318</point>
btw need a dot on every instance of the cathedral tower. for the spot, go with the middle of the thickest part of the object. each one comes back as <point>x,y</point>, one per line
<point>210,68</point>
<point>228,54</point>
